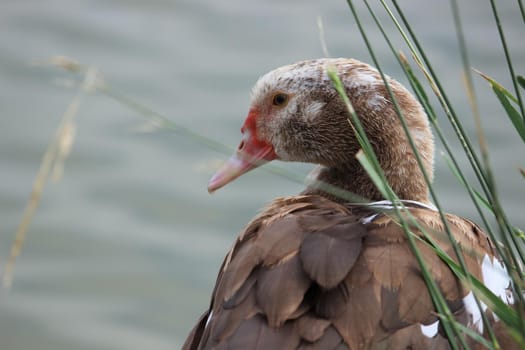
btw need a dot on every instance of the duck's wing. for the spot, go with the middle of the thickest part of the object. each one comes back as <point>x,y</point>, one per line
<point>311,273</point>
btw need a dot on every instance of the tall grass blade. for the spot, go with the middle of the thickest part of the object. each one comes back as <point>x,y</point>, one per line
<point>322,38</point>
<point>522,10</point>
<point>514,116</point>
<point>507,56</point>
<point>495,85</point>
<point>504,96</point>
<point>521,81</point>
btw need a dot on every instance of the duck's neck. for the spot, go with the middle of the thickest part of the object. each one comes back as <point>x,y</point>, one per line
<point>407,183</point>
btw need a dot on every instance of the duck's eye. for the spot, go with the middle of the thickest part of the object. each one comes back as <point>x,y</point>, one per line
<point>280,99</point>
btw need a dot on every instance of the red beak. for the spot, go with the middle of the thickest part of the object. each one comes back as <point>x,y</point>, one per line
<point>250,154</point>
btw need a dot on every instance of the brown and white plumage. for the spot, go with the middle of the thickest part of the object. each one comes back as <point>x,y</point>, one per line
<point>314,271</point>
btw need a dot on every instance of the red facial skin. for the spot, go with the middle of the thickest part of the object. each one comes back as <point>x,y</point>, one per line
<point>251,153</point>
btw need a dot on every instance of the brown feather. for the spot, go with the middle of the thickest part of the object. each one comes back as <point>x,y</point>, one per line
<point>279,238</point>
<point>226,321</point>
<point>280,289</point>
<point>248,256</point>
<point>330,340</point>
<point>327,259</point>
<point>330,304</point>
<point>390,319</point>
<point>415,303</point>
<point>389,263</point>
<point>311,328</point>
<point>411,337</point>
<point>241,293</point>
<point>257,335</point>
<point>362,314</point>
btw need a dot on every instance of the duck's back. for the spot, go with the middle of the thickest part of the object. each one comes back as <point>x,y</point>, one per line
<point>315,274</point>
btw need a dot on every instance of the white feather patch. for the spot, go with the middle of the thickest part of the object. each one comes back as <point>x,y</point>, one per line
<point>495,278</point>
<point>209,319</point>
<point>311,112</point>
<point>362,78</point>
<point>386,204</point>
<point>474,312</point>
<point>376,102</point>
<point>368,219</point>
<point>430,330</point>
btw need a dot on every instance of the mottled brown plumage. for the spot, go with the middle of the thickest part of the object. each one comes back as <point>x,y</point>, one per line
<point>315,271</point>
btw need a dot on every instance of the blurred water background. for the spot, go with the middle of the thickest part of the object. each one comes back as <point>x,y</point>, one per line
<point>123,252</point>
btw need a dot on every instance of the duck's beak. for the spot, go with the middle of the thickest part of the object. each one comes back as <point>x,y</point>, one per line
<point>250,154</point>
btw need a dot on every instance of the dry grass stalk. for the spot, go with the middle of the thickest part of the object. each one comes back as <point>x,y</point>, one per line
<point>52,165</point>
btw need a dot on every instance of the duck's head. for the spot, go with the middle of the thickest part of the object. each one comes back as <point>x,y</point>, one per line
<point>296,115</point>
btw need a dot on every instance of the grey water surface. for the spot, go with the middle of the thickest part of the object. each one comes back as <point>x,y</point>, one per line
<point>123,251</point>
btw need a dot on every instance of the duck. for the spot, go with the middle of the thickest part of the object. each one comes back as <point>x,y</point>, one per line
<point>319,270</point>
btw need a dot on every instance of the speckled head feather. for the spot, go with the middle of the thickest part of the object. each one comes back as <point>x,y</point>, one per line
<point>313,126</point>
